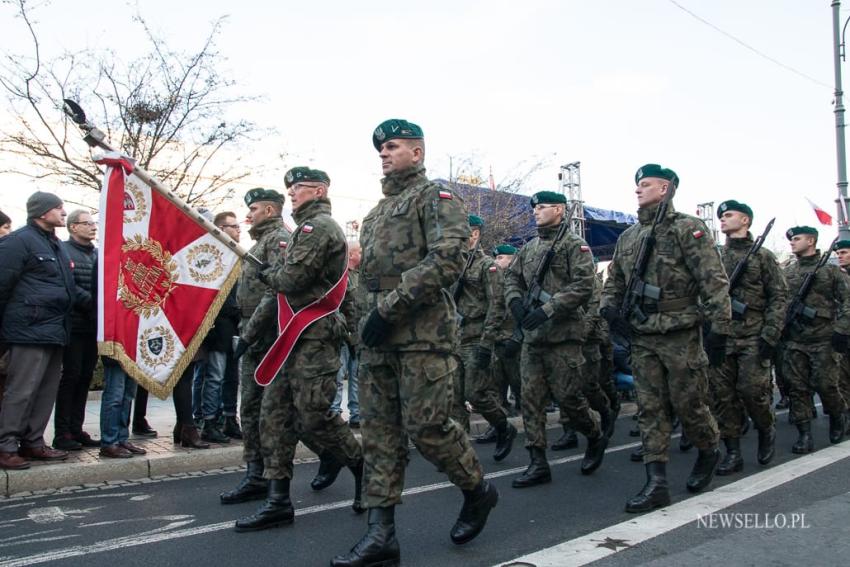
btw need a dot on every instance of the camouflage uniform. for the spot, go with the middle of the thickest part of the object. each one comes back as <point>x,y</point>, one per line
<point>551,358</point>
<point>598,389</point>
<point>844,374</point>
<point>412,251</point>
<point>505,368</point>
<point>271,236</point>
<point>809,363</point>
<point>482,315</point>
<point>742,385</point>
<point>296,405</point>
<point>670,365</point>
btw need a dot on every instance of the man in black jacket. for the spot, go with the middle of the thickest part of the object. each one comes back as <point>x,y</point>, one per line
<point>37,293</point>
<point>81,355</point>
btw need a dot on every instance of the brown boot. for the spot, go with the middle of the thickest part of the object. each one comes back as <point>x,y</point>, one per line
<point>12,461</point>
<point>43,453</point>
<point>189,437</point>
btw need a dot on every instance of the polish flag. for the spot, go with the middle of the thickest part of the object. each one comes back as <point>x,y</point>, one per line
<point>823,216</point>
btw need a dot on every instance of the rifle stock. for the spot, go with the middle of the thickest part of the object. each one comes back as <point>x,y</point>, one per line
<point>739,308</point>
<point>799,314</point>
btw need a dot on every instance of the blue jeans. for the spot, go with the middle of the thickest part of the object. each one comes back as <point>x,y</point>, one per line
<point>118,392</point>
<point>214,368</point>
<point>349,367</point>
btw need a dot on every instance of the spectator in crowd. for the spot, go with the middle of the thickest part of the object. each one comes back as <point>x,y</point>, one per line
<point>348,354</point>
<point>37,293</point>
<point>80,357</point>
<point>141,427</point>
<point>5,228</point>
<point>5,224</point>
<point>118,392</point>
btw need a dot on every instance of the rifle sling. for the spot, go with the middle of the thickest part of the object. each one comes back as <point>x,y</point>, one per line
<point>668,305</point>
<point>382,283</point>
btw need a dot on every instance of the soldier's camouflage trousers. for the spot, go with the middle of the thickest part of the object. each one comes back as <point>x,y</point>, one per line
<point>480,386</point>
<point>408,395</point>
<point>506,373</point>
<point>591,383</point>
<point>458,408</point>
<point>297,405</point>
<point>810,368</point>
<point>251,396</point>
<point>554,371</point>
<point>844,378</point>
<point>606,373</point>
<point>671,377</point>
<point>741,386</point>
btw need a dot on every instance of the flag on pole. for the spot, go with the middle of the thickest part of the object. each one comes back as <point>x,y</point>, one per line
<point>492,181</point>
<point>823,216</point>
<point>162,279</point>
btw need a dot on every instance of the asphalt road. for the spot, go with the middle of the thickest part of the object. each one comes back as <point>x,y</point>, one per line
<point>180,521</point>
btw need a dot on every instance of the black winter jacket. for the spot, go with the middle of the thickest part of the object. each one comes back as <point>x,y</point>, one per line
<point>83,262</point>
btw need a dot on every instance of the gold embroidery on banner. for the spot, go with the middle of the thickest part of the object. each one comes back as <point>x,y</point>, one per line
<point>147,277</point>
<point>156,346</point>
<point>206,263</point>
<point>135,207</point>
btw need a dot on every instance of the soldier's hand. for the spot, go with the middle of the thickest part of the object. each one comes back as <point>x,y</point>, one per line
<point>240,348</point>
<point>517,310</point>
<point>483,357</point>
<point>534,319</point>
<point>715,346</point>
<point>263,274</point>
<point>617,324</point>
<point>508,349</point>
<point>840,343</point>
<point>766,350</point>
<point>375,330</point>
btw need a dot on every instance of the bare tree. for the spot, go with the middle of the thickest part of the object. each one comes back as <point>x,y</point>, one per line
<point>166,109</point>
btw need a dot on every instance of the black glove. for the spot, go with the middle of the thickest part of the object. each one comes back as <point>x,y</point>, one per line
<point>840,343</point>
<point>517,310</point>
<point>715,346</point>
<point>375,330</point>
<point>617,324</point>
<point>766,351</point>
<point>534,319</point>
<point>241,347</point>
<point>263,274</point>
<point>610,314</point>
<point>482,358</point>
<point>508,349</point>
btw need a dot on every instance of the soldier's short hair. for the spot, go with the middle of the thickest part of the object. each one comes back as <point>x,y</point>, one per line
<point>222,216</point>
<point>73,218</point>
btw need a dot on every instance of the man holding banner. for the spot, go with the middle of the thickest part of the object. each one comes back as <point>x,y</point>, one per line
<point>308,284</point>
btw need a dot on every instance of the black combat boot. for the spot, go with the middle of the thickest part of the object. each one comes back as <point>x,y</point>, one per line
<point>609,420</point>
<point>231,427</point>
<point>569,440</point>
<point>489,436</point>
<point>654,493</point>
<point>805,443</point>
<point>378,548</point>
<point>767,445</point>
<point>537,472</point>
<point>685,444</point>
<point>703,470</point>
<point>477,504</point>
<point>212,433</point>
<point>252,486</point>
<point>733,461</point>
<point>506,433</point>
<point>276,511</point>
<point>746,427</point>
<point>836,428</point>
<point>329,469</point>
<point>594,453</point>
<point>637,455</point>
<point>357,471</point>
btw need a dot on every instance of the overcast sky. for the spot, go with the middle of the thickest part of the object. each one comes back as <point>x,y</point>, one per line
<point>612,84</point>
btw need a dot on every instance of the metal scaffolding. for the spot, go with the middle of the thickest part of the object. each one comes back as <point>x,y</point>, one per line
<point>569,183</point>
<point>705,211</point>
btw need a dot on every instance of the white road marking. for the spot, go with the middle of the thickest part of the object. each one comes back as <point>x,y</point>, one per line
<point>88,496</point>
<point>53,514</point>
<point>586,549</point>
<point>148,519</point>
<point>40,540</point>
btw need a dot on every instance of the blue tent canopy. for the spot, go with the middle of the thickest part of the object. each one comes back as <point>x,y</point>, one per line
<point>602,226</point>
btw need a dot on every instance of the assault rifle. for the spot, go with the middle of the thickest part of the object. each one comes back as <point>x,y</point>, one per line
<point>461,281</point>
<point>799,313</point>
<point>536,295</point>
<point>638,289</point>
<point>739,308</point>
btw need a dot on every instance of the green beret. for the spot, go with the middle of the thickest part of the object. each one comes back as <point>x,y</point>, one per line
<point>795,230</point>
<point>475,220</point>
<point>841,244</point>
<point>548,197</point>
<point>260,194</point>
<point>303,173</point>
<point>395,128</point>
<point>655,170</point>
<point>733,205</point>
<point>504,249</point>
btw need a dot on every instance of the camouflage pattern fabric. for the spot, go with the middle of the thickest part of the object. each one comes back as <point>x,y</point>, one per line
<point>481,389</point>
<point>505,370</point>
<point>844,378</point>
<point>250,400</point>
<point>810,369</point>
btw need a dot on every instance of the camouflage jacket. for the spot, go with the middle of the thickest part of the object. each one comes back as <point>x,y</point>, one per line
<point>349,307</point>
<point>596,328</point>
<point>271,238</point>
<point>507,323</point>
<point>482,315</point>
<point>762,288</point>
<point>569,281</point>
<point>413,242</point>
<point>314,260</point>
<point>684,263</point>
<point>830,295</point>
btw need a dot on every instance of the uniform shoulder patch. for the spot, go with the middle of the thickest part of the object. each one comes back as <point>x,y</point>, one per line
<point>493,268</point>
<point>307,228</point>
<point>698,234</point>
<point>585,248</point>
<point>282,244</point>
<point>445,195</point>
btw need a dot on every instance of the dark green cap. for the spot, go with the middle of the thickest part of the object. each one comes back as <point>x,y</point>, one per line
<point>260,194</point>
<point>548,198</point>
<point>733,205</point>
<point>303,173</point>
<point>795,230</point>
<point>655,170</point>
<point>504,249</point>
<point>475,220</point>
<point>395,128</point>
<point>841,244</point>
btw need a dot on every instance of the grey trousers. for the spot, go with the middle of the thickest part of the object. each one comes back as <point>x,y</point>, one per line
<point>31,386</point>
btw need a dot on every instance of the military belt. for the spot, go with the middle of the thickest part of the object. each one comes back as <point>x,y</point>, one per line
<point>382,283</point>
<point>668,305</point>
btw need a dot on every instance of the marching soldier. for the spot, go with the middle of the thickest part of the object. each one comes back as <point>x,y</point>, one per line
<point>506,352</point>
<point>297,404</point>
<point>810,340</point>
<point>551,356</point>
<point>412,242</point>
<point>670,365</point>
<point>842,250</point>
<point>742,385</point>
<point>481,306</point>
